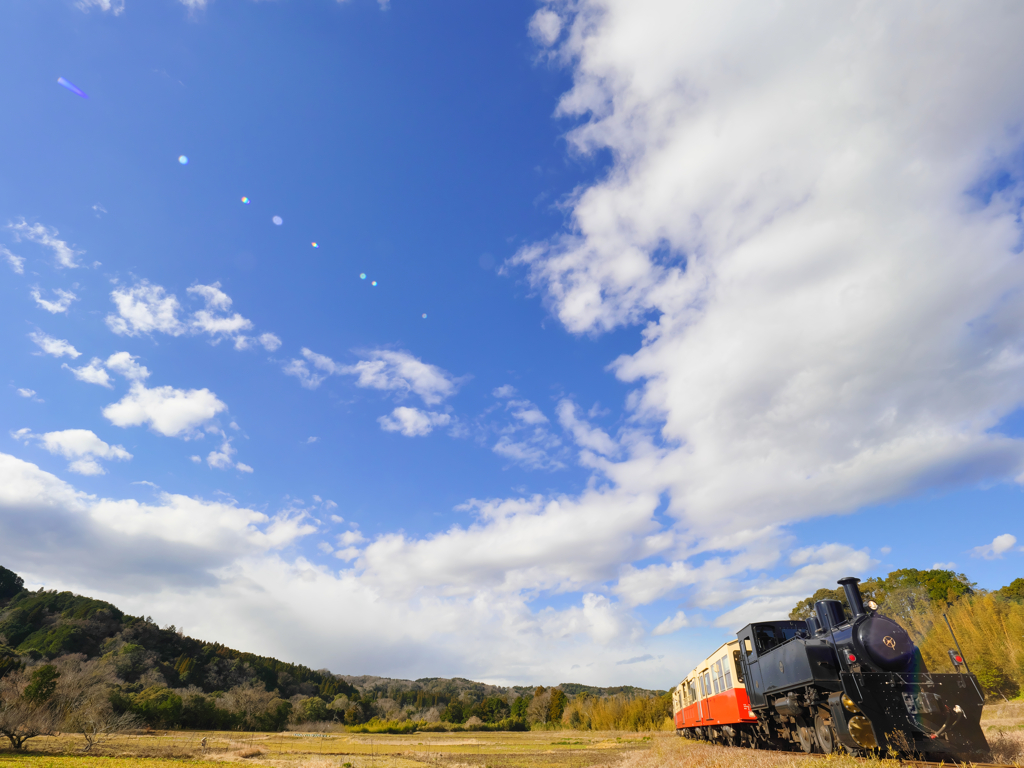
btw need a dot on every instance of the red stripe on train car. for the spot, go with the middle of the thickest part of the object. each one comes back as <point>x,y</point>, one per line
<point>730,707</point>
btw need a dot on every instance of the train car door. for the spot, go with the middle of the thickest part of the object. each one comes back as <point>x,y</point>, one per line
<point>705,683</point>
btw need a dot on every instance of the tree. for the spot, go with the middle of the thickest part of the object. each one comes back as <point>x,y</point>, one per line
<point>28,705</point>
<point>1012,591</point>
<point>10,584</point>
<point>557,705</point>
<point>520,705</point>
<point>539,708</point>
<point>312,710</point>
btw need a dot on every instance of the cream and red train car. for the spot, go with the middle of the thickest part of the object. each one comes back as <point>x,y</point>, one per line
<point>711,703</point>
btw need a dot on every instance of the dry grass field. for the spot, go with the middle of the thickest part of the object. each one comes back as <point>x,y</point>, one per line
<point>1003,723</point>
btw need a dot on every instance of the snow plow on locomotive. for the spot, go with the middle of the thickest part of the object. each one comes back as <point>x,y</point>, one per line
<point>829,684</point>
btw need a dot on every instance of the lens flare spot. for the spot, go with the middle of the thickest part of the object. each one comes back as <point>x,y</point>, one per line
<point>374,282</point>
<point>278,220</point>
<point>72,88</point>
<point>182,159</point>
<point>362,275</point>
<point>315,245</point>
<point>424,315</point>
<point>245,200</point>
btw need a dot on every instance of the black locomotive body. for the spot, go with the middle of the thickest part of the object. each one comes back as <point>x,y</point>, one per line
<point>831,683</point>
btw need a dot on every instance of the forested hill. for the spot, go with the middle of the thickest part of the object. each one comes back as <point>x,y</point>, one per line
<point>432,690</point>
<point>164,678</point>
<point>37,625</point>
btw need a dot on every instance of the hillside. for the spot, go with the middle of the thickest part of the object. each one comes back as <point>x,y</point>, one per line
<point>165,678</point>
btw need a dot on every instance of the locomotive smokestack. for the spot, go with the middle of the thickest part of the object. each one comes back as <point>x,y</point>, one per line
<point>849,584</point>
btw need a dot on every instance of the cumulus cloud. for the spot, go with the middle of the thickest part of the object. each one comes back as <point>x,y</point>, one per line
<point>213,320</point>
<point>59,530</point>
<point>672,624</point>
<point>17,263</point>
<point>222,458</point>
<point>524,436</point>
<point>47,237</point>
<point>27,392</point>
<point>168,411</point>
<point>778,189</point>
<point>124,364</point>
<point>64,299</point>
<point>115,7</point>
<point>585,435</point>
<point>382,369</point>
<point>52,346</point>
<point>412,422</point>
<point>93,373</point>
<point>144,309</point>
<point>1000,546</point>
<point>82,446</point>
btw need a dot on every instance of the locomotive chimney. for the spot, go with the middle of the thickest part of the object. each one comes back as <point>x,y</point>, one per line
<point>849,584</point>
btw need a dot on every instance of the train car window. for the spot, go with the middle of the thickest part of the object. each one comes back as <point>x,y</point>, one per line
<point>701,678</point>
<point>725,668</point>
<point>718,675</point>
<point>707,682</point>
<point>714,679</point>
<point>769,636</point>
<point>739,668</point>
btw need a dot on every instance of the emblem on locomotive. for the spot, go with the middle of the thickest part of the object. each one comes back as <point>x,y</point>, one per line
<point>848,681</point>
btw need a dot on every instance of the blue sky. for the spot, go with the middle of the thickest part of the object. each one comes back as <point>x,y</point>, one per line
<point>674,321</point>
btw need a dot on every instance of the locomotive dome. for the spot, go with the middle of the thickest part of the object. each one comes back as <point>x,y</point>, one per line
<point>886,643</point>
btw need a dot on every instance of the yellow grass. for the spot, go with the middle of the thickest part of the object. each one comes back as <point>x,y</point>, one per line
<point>535,749</point>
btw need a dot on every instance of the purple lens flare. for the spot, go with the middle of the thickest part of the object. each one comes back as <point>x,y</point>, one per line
<point>72,88</point>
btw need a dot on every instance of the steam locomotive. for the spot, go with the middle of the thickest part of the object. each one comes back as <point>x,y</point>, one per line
<point>831,684</point>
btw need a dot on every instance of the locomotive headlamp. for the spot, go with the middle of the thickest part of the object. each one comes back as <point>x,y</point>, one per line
<point>872,605</point>
<point>849,705</point>
<point>860,730</point>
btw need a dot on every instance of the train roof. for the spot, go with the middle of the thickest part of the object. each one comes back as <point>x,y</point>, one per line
<point>710,656</point>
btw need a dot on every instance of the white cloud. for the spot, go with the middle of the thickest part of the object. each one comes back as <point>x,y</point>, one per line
<point>214,297</point>
<point>145,308</point>
<point>17,263</point>
<point>82,446</point>
<point>545,27</point>
<point>64,299</point>
<point>525,439</point>
<point>1000,546</point>
<point>585,435</point>
<point>27,392</point>
<point>244,468</point>
<point>196,459</point>
<point>124,364</point>
<point>93,373</point>
<point>943,566</point>
<point>384,369</point>
<point>672,624</point>
<point>779,185</point>
<point>413,422</point>
<point>113,6</point>
<point>52,346</point>
<point>169,411</point>
<point>310,440</point>
<point>526,412</point>
<point>269,341</point>
<point>534,451</point>
<point>47,237</point>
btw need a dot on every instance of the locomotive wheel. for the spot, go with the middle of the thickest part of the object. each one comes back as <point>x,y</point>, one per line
<point>805,734</point>
<point>823,732</point>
